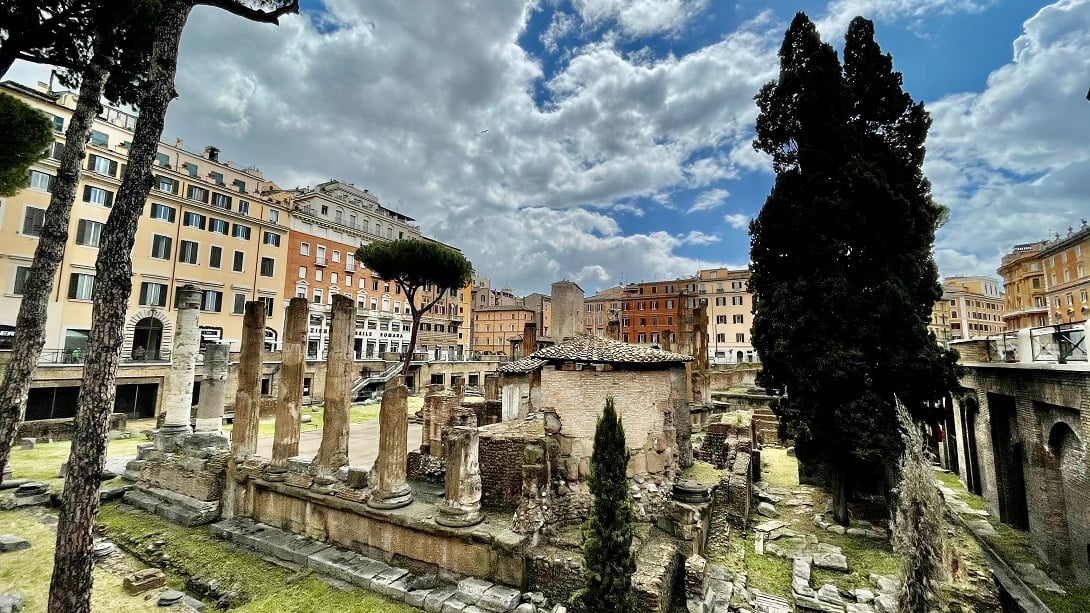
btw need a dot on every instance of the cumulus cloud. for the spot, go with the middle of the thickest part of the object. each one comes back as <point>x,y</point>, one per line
<point>737,221</point>
<point>709,200</point>
<point>840,12</point>
<point>640,17</point>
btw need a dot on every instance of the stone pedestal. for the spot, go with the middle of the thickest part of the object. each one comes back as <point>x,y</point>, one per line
<point>333,452</point>
<point>391,491</point>
<point>178,395</point>
<point>209,426</point>
<point>248,396</point>
<point>292,366</point>
<point>461,506</point>
<point>439,407</point>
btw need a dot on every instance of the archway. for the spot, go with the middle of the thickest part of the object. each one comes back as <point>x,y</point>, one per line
<point>1063,467</point>
<point>147,339</point>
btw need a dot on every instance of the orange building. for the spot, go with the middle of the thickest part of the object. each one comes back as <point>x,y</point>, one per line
<point>597,308</point>
<point>650,312</point>
<point>1066,263</point>
<point>1024,287</point>
<point>497,329</point>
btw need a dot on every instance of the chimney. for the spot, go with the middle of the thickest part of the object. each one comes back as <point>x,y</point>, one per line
<point>613,326</point>
<point>179,143</point>
<point>212,153</point>
<point>529,339</point>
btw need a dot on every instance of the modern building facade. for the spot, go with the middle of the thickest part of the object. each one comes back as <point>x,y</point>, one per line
<point>1024,287</point>
<point>1067,276</point>
<point>730,315</point>
<point>976,306</point>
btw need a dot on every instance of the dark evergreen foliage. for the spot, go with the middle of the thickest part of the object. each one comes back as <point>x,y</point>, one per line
<point>608,559</point>
<point>843,276</point>
<point>26,132</point>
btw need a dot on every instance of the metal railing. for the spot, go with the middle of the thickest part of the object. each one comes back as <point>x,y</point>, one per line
<point>1003,347</point>
<point>1061,343</point>
<point>75,357</point>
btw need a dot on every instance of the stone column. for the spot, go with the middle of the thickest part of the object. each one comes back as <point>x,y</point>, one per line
<point>248,397</point>
<point>292,367</point>
<point>391,491</point>
<point>178,396</point>
<point>333,452</point>
<point>209,429</point>
<point>462,486</point>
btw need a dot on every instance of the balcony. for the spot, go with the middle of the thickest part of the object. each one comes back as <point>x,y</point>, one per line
<point>319,261</point>
<point>74,357</point>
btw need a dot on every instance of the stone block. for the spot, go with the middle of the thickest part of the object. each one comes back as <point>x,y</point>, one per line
<point>11,542</point>
<point>145,451</point>
<point>433,602</point>
<point>144,580</point>
<point>471,589</point>
<point>397,589</point>
<point>499,599</point>
<point>453,605</point>
<point>416,598</point>
<point>30,501</point>
<point>766,509</point>
<point>11,603</point>
<point>332,562</point>
<point>831,561</point>
<point>364,571</point>
<point>27,443</point>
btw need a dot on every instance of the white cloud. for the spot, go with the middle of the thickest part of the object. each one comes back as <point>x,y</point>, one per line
<point>737,221</point>
<point>709,200</point>
<point>840,12</point>
<point>562,24</point>
<point>640,17</point>
<point>696,237</point>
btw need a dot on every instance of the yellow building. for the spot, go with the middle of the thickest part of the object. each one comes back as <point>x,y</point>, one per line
<point>976,306</point>
<point>730,315</point>
<point>1067,264</point>
<point>204,224</point>
<point>940,321</point>
<point>1024,286</point>
<point>497,329</point>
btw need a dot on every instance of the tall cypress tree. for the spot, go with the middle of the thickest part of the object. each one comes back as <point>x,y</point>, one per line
<point>843,278</point>
<point>608,559</point>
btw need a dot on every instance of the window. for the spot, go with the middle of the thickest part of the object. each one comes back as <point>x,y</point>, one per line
<point>215,256</point>
<point>162,211</point>
<point>217,177</point>
<point>304,248</point>
<point>97,195</point>
<point>740,337</point>
<point>333,278</point>
<point>162,159</point>
<point>190,168</point>
<point>166,184</point>
<point>187,252</point>
<point>58,124</point>
<point>88,233</point>
<point>100,139</point>
<point>237,264</point>
<point>81,286</point>
<point>317,295</point>
<point>721,301</point>
<point>325,210</point>
<point>720,319</point>
<point>317,274</point>
<point>302,272</point>
<point>33,220</point>
<point>218,226</point>
<point>274,216</point>
<point>153,294</point>
<point>336,256</point>
<point>193,220</point>
<point>41,180</point>
<point>54,150</point>
<point>720,338</point>
<point>737,300</point>
<point>160,246</point>
<point>339,217</point>
<point>271,238</point>
<point>266,267</point>
<point>199,194</point>
<point>739,319</point>
<point>101,165</point>
<point>240,185</point>
<point>211,300</point>
<point>243,206</point>
<point>21,273</point>
<point>241,231</point>
<point>268,302</point>
<point>222,201</point>
<point>240,304</point>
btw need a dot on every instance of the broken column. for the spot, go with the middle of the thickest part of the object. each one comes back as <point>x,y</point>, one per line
<point>391,490</point>
<point>286,435</point>
<point>178,396</point>
<point>333,452</point>
<point>461,506</point>
<point>209,426</point>
<point>248,397</point>
<point>439,408</point>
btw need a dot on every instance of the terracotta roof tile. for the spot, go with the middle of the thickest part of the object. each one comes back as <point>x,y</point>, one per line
<point>586,348</point>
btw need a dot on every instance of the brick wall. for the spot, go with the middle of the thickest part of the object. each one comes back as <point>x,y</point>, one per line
<point>500,460</point>
<point>1049,424</point>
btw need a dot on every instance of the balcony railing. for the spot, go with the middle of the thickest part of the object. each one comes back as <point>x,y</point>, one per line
<point>1060,344</point>
<point>74,357</point>
<point>319,261</point>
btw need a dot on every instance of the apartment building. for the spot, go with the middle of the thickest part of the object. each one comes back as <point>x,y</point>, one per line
<point>730,315</point>
<point>205,223</point>
<point>498,330</point>
<point>650,311</point>
<point>976,306</point>
<point>1066,262</point>
<point>597,308</point>
<point>1024,287</point>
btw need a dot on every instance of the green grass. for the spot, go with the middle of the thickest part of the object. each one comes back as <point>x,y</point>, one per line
<point>864,555</point>
<point>195,552</point>
<point>1075,601</point>
<point>43,463</point>
<point>702,472</point>
<point>767,573</point>
<point>779,470</point>
<point>950,480</point>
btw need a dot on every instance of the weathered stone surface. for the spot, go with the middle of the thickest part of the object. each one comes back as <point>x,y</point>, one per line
<point>248,395</point>
<point>178,387</point>
<point>170,598</point>
<point>144,580</point>
<point>499,599</point>
<point>453,605</point>
<point>470,589</point>
<point>433,602</point>
<point>213,391</point>
<point>333,451</point>
<point>11,542</point>
<point>461,506</point>
<point>415,598</point>
<point>766,509</point>
<point>292,367</point>
<point>391,490</point>
<point>831,561</point>
<point>11,603</point>
<point>863,595</point>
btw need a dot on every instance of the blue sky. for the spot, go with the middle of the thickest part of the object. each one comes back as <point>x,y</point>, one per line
<point>618,131</point>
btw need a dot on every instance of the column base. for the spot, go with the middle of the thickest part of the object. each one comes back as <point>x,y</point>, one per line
<point>275,473</point>
<point>171,436</point>
<point>323,484</point>
<point>204,440</point>
<point>384,501</point>
<point>458,516</point>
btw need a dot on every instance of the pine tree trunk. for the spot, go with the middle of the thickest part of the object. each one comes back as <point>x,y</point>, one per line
<point>412,342</point>
<point>70,588</point>
<point>30,325</point>
<point>6,58</point>
<point>838,483</point>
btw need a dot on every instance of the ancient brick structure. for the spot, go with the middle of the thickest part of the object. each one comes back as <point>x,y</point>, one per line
<point>1021,434</point>
<point>178,395</point>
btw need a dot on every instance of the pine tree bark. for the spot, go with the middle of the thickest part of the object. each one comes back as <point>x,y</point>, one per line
<point>838,483</point>
<point>30,324</point>
<point>70,587</point>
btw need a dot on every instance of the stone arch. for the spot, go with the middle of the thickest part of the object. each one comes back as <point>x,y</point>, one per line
<point>1066,449</point>
<point>167,341</point>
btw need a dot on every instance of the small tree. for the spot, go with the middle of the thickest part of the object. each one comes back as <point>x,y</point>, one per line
<point>917,524</point>
<point>26,132</point>
<point>608,560</point>
<point>414,264</point>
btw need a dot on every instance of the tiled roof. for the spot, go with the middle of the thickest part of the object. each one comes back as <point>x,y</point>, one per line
<point>586,348</point>
<point>522,365</point>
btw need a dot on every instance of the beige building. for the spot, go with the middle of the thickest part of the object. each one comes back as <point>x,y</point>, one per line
<point>940,321</point>
<point>730,316</point>
<point>205,223</point>
<point>976,306</point>
<point>1024,287</point>
<point>1066,261</point>
<point>498,328</point>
